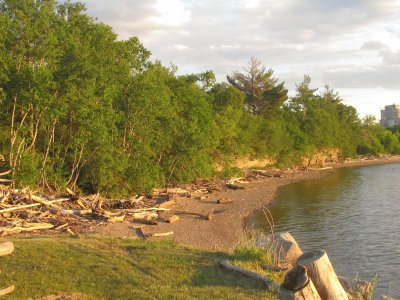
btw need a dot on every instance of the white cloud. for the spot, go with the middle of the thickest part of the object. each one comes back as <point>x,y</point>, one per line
<point>170,13</point>
<point>349,44</point>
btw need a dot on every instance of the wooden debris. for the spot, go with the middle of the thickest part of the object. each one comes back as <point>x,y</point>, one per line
<point>224,201</point>
<point>160,234</point>
<point>7,290</point>
<point>166,204</point>
<point>173,219</point>
<point>210,216</point>
<point>116,219</point>
<point>5,173</point>
<point>26,227</point>
<point>72,233</point>
<point>6,248</point>
<point>227,265</point>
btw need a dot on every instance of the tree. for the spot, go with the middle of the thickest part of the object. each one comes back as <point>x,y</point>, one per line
<point>263,92</point>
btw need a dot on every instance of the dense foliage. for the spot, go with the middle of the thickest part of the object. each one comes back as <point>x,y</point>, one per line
<point>81,108</point>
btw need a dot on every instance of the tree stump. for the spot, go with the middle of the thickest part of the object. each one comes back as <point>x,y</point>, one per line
<point>6,248</point>
<point>284,248</point>
<point>322,274</point>
<point>298,286</point>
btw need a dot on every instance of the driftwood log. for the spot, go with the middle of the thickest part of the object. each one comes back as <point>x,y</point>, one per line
<point>284,248</point>
<point>322,274</point>
<point>227,265</point>
<point>5,249</point>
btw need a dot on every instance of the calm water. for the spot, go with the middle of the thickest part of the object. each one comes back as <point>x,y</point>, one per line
<point>353,214</point>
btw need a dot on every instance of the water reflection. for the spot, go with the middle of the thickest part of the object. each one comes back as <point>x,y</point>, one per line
<point>354,214</point>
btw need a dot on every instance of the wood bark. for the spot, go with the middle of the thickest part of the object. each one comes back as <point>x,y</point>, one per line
<point>6,248</point>
<point>322,274</point>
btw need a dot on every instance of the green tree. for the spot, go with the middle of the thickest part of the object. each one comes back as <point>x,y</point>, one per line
<point>263,92</point>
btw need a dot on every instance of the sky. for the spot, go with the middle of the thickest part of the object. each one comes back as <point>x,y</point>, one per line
<point>351,45</point>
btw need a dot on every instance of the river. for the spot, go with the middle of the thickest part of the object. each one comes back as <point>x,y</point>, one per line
<point>353,214</point>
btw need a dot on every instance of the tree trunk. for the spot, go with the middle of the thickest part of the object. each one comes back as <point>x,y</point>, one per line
<point>322,274</point>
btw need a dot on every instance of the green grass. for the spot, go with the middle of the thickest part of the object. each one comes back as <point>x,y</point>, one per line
<point>111,268</point>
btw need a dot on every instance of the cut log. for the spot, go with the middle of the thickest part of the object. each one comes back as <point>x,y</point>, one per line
<point>322,274</point>
<point>6,248</point>
<point>297,285</point>
<point>224,201</point>
<point>284,248</point>
<point>227,265</point>
<point>7,290</point>
<point>173,219</point>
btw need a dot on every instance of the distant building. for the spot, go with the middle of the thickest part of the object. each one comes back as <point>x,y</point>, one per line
<point>390,116</point>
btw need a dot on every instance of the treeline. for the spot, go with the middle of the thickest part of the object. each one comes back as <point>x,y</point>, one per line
<point>81,108</point>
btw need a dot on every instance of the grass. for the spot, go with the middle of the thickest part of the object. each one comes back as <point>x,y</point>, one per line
<point>112,268</point>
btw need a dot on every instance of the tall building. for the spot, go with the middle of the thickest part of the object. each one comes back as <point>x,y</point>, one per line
<point>390,116</point>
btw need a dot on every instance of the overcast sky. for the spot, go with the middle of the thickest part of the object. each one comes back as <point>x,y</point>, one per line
<point>352,45</point>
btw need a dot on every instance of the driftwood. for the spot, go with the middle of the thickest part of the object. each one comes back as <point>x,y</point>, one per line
<point>5,180</point>
<point>284,248</point>
<point>166,204</point>
<point>210,216</point>
<point>26,227</point>
<point>322,274</point>
<point>30,205</point>
<point>224,201</point>
<point>7,290</point>
<point>173,219</point>
<point>227,265</point>
<point>5,173</point>
<point>6,248</point>
<point>160,234</point>
<point>146,215</point>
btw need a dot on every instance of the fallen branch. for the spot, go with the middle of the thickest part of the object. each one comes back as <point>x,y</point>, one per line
<point>7,290</point>
<point>227,265</point>
<point>5,173</point>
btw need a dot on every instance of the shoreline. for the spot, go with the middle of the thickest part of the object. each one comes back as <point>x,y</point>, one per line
<point>227,228</point>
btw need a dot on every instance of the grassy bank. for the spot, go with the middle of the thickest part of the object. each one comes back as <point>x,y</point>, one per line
<point>109,268</point>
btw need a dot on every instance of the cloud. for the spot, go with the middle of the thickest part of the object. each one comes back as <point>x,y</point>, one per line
<point>345,43</point>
